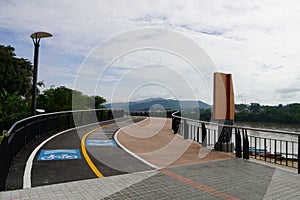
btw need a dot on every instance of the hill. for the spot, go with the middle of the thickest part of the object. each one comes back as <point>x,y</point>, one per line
<point>158,103</point>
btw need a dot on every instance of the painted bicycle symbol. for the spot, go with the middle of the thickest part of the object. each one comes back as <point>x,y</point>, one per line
<point>59,154</point>
<point>59,157</point>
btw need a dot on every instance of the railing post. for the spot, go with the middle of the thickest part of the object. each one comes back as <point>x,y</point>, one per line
<point>265,148</point>
<point>173,124</point>
<point>298,154</point>
<point>275,151</point>
<point>195,133</point>
<point>204,135</point>
<point>286,153</point>
<point>178,123</point>
<point>245,145</point>
<point>238,144</point>
<point>208,135</point>
<point>186,130</point>
<point>198,133</point>
<point>255,145</point>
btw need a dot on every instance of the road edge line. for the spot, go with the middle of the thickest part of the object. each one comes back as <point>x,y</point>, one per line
<point>130,152</point>
<point>28,167</point>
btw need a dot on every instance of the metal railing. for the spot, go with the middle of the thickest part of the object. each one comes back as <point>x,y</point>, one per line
<point>29,129</point>
<point>274,146</point>
<point>164,114</point>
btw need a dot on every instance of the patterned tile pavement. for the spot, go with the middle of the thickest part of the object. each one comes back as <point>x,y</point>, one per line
<point>226,179</point>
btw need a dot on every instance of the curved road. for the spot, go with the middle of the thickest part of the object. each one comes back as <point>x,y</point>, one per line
<point>97,155</point>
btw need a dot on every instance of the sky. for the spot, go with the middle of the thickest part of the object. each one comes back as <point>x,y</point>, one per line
<point>256,41</point>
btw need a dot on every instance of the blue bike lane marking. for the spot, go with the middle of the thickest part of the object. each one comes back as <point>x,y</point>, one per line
<point>90,142</point>
<point>59,154</point>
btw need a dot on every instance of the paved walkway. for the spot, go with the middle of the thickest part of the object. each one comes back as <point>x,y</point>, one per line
<point>229,179</point>
<point>154,141</point>
<point>210,177</point>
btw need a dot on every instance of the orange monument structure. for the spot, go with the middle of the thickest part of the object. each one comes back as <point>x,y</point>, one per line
<point>223,108</point>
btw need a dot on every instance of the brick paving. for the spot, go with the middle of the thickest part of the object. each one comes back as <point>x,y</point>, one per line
<point>226,179</point>
<point>230,179</point>
<point>154,141</point>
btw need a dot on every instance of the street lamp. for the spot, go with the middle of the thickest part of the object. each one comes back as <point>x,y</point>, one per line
<point>36,37</point>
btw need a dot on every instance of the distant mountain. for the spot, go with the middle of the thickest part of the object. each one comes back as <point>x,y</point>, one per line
<point>158,103</point>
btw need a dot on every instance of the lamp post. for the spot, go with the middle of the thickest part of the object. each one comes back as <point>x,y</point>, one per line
<point>36,37</point>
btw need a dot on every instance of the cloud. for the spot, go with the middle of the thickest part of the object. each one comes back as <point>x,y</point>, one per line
<point>148,56</point>
<point>288,90</point>
<point>243,38</point>
<point>268,67</point>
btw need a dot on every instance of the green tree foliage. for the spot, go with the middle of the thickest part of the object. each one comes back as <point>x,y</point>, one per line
<point>254,107</point>
<point>15,87</point>
<point>195,113</point>
<point>289,114</point>
<point>13,107</point>
<point>99,101</point>
<point>205,115</point>
<point>63,98</point>
<point>15,73</point>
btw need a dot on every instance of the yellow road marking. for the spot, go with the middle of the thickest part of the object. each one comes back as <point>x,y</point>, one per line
<point>85,154</point>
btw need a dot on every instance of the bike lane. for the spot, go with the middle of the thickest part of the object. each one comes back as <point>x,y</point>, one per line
<point>107,157</point>
<point>62,159</point>
<point>57,170</point>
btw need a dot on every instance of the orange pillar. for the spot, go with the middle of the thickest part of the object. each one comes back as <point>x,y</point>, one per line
<point>223,108</point>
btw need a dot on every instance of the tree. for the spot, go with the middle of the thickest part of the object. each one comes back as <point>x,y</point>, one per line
<point>15,87</point>
<point>63,98</point>
<point>254,107</point>
<point>15,73</point>
<point>12,108</point>
<point>289,114</point>
<point>205,114</point>
<point>99,101</point>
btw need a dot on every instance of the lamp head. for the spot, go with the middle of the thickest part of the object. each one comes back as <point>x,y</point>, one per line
<point>38,35</point>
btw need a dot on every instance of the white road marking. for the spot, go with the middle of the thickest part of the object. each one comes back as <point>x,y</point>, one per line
<point>60,151</point>
<point>28,167</point>
<point>131,153</point>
